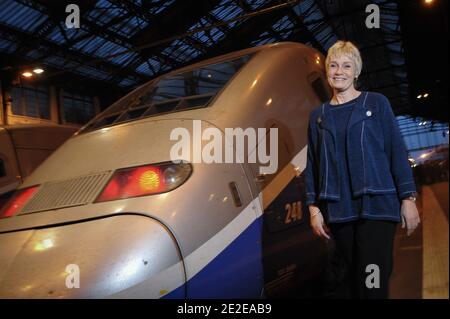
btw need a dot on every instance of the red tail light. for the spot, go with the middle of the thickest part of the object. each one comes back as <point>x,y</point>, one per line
<point>19,199</point>
<point>145,180</point>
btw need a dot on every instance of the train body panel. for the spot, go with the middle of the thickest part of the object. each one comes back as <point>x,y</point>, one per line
<point>38,262</point>
<point>235,236</point>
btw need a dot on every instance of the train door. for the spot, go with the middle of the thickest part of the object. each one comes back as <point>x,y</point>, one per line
<point>290,254</point>
<point>267,187</point>
<point>293,258</point>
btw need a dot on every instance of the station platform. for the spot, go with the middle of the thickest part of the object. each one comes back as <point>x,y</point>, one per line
<point>421,260</point>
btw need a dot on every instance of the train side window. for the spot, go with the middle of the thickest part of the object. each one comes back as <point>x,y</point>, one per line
<point>2,168</point>
<point>320,90</point>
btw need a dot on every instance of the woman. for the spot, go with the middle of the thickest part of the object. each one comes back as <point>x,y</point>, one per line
<point>358,180</point>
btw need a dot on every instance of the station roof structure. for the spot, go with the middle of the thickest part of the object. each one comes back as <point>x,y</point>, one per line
<point>121,44</point>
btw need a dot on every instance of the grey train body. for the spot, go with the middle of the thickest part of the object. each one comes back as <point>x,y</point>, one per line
<point>225,232</point>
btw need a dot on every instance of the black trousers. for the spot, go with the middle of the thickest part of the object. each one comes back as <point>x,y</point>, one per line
<point>363,259</point>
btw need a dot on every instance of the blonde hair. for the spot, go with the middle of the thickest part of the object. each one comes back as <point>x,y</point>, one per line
<point>347,49</point>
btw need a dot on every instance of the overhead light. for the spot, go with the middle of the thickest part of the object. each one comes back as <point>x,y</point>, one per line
<point>27,74</point>
<point>425,95</point>
<point>428,1</point>
<point>419,96</point>
<point>38,70</point>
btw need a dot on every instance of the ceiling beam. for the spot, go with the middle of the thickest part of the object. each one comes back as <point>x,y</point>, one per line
<point>27,40</point>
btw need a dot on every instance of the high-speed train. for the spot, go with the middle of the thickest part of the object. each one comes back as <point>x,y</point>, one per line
<point>111,215</point>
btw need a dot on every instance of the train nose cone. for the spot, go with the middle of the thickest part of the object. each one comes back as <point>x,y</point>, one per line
<point>123,255</point>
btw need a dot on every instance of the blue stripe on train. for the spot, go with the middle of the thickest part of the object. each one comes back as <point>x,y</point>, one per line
<point>235,273</point>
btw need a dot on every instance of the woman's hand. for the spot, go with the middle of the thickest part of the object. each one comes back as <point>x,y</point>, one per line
<point>317,223</point>
<point>410,216</point>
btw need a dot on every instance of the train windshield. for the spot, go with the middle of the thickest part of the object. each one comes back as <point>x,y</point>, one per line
<point>178,92</point>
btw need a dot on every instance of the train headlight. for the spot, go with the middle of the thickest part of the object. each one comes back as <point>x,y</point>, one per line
<point>176,174</point>
<point>145,180</point>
